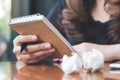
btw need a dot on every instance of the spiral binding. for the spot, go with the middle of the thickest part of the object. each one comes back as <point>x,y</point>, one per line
<point>26,19</point>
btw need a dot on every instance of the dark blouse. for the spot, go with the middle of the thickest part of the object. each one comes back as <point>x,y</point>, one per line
<point>95,29</point>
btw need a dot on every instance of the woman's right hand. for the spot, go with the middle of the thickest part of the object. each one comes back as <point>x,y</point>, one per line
<point>34,52</point>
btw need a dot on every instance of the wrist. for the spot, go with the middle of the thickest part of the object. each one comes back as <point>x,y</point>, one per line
<point>116,48</point>
<point>109,52</point>
<point>117,57</point>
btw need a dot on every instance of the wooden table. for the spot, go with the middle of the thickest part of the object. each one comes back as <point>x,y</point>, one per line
<point>52,72</point>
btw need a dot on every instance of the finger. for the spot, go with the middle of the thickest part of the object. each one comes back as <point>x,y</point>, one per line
<point>37,47</point>
<point>33,61</point>
<point>40,55</point>
<point>20,39</point>
<point>37,59</point>
<point>24,38</point>
<point>16,49</point>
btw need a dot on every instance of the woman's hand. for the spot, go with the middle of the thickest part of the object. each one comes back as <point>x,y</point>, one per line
<point>110,52</point>
<point>32,53</point>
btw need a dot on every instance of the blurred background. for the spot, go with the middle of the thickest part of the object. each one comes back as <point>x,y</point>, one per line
<point>15,8</point>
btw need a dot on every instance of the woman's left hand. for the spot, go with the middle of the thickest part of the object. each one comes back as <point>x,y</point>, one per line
<point>110,52</point>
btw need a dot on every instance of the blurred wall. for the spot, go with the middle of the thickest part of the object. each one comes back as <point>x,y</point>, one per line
<point>41,6</point>
<point>20,8</point>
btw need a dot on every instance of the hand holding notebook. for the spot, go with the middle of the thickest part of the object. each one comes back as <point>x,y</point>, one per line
<point>39,25</point>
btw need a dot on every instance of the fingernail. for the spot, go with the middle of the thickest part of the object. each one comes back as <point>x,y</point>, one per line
<point>52,50</point>
<point>47,46</point>
<point>33,37</point>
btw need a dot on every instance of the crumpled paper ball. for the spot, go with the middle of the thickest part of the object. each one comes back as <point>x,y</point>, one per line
<point>93,60</point>
<point>71,64</point>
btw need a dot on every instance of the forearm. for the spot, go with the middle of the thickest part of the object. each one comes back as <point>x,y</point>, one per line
<point>116,51</point>
<point>110,52</point>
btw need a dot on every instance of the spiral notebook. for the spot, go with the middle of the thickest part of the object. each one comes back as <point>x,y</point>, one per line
<point>39,25</point>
